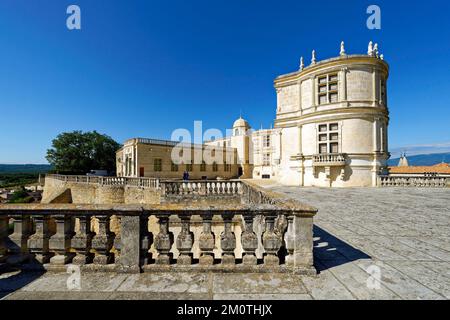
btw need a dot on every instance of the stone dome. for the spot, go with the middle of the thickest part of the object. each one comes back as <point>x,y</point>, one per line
<point>241,123</point>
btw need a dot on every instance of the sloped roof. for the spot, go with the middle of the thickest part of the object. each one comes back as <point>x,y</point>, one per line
<point>438,168</point>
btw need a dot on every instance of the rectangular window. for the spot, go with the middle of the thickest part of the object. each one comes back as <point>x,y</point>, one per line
<point>203,166</point>
<point>174,167</point>
<point>328,89</point>
<point>157,165</point>
<point>328,138</point>
<point>227,167</point>
<point>215,167</point>
<point>266,140</point>
<point>266,159</point>
<point>189,167</point>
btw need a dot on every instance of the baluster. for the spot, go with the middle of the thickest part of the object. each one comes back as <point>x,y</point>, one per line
<point>206,241</point>
<point>117,243</point>
<point>185,240</point>
<point>3,236</point>
<point>18,246</point>
<point>163,241</point>
<point>38,243</point>
<point>249,240</point>
<point>102,242</point>
<point>227,240</point>
<point>289,238</point>
<point>146,240</point>
<point>60,242</point>
<point>271,241</point>
<point>82,241</point>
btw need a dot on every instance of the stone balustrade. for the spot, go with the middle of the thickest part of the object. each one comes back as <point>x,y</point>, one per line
<point>52,236</point>
<point>413,181</point>
<point>329,159</point>
<point>151,183</point>
<point>201,187</point>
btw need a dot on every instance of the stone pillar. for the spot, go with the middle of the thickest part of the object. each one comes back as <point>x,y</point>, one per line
<point>249,240</point>
<point>185,240</point>
<point>117,243</point>
<point>102,242</point>
<point>289,239</point>
<point>271,241</point>
<point>302,252</point>
<point>82,241</point>
<point>228,240</point>
<point>3,236</point>
<point>38,243</point>
<point>146,240</point>
<point>60,242</point>
<point>18,245</point>
<point>163,241</point>
<point>206,241</point>
<point>130,244</point>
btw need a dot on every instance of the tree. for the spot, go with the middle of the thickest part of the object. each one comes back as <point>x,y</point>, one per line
<point>79,152</point>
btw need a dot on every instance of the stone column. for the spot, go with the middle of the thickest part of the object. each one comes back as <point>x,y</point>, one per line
<point>185,240</point>
<point>302,253</point>
<point>103,241</point>
<point>82,241</point>
<point>3,236</point>
<point>146,240</point>
<point>163,241</point>
<point>39,241</point>
<point>206,241</point>
<point>130,244</point>
<point>271,241</point>
<point>249,240</point>
<point>60,242</point>
<point>18,245</point>
<point>228,240</point>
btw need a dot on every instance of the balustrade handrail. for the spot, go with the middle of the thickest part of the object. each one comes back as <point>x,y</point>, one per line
<point>143,182</point>
<point>412,181</point>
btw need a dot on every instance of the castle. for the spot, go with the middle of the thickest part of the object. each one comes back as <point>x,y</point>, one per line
<point>331,130</point>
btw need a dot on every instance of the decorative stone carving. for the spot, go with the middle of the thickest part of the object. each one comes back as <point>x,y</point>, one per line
<point>228,240</point>
<point>249,240</point>
<point>18,244</point>
<point>102,242</point>
<point>342,53</point>
<point>146,240</point>
<point>206,241</point>
<point>313,59</point>
<point>271,241</point>
<point>185,240</point>
<point>163,241</point>
<point>82,241</point>
<point>60,242</point>
<point>302,64</point>
<point>370,49</point>
<point>38,243</point>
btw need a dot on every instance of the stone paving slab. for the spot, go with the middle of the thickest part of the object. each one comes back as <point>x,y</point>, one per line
<point>405,232</point>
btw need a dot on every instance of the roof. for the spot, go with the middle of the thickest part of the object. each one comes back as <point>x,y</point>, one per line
<point>443,168</point>
<point>240,123</point>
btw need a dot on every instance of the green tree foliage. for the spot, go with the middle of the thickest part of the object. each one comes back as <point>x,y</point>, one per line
<point>79,152</point>
<point>21,196</point>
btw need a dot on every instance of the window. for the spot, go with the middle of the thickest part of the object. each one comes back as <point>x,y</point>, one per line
<point>227,167</point>
<point>328,89</point>
<point>189,167</point>
<point>215,167</point>
<point>203,166</point>
<point>174,167</point>
<point>383,92</point>
<point>157,165</point>
<point>266,159</point>
<point>266,141</point>
<point>328,138</point>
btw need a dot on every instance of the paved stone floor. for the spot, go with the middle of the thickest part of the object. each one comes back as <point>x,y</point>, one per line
<point>402,234</point>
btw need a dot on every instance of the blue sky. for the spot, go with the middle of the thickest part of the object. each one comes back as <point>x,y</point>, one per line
<point>144,68</point>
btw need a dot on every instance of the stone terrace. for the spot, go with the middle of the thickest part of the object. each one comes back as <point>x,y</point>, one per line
<point>404,231</point>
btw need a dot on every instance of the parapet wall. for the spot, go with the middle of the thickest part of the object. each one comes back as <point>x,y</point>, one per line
<point>58,191</point>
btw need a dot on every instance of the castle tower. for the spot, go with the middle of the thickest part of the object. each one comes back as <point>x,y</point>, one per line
<point>241,141</point>
<point>333,117</point>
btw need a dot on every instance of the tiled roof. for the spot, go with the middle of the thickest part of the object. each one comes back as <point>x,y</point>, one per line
<point>438,168</point>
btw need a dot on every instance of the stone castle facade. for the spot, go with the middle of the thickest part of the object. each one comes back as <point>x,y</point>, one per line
<point>331,126</point>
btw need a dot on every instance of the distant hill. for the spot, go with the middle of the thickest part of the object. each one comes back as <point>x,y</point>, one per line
<point>24,168</point>
<point>423,159</point>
